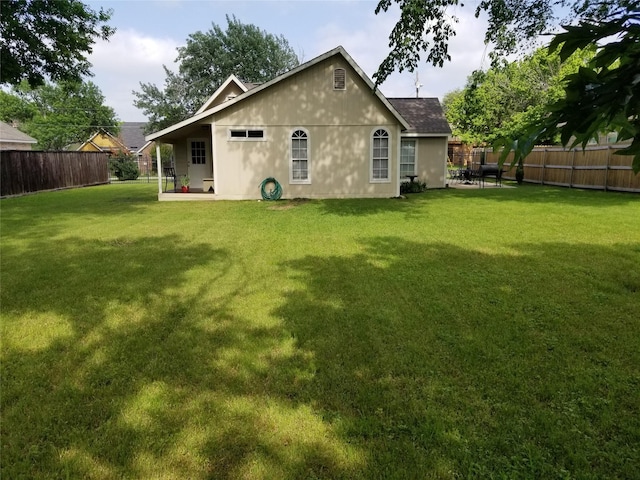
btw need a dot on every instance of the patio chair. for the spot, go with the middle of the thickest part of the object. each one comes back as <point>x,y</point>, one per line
<point>169,172</point>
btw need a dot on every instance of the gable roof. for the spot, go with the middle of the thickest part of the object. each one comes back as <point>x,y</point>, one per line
<point>232,79</point>
<point>425,115</point>
<point>336,51</point>
<point>11,134</point>
<point>117,143</point>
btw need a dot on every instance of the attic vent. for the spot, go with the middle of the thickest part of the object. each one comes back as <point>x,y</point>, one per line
<point>339,79</point>
<point>230,97</point>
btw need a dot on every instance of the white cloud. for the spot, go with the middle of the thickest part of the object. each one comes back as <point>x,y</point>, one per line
<point>126,60</point>
<point>135,56</point>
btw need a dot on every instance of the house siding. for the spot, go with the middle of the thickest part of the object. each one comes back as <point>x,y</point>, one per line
<point>15,146</point>
<point>431,161</point>
<point>340,126</point>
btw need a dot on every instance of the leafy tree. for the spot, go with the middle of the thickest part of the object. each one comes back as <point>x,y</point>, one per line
<point>602,97</point>
<point>166,154</point>
<point>58,115</point>
<point>15,109</point>
<point>42,39</point>
<point>425,26</point>
<point>509,97</point>
<point>124,166</point>
<point>206,61</point>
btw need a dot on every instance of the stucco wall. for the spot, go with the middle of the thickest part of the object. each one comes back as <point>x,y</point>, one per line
<point>431,161</point>
<point>340,125</point>
<point>15,146</point>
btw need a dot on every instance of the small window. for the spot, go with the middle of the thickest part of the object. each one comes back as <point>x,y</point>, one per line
<point>407,158</point>
<point>339,79</point>
<point>246,134</point>
<point>380,156</point>
<point>230,97</point>
<point>198,152</point>
<point>300,157</point>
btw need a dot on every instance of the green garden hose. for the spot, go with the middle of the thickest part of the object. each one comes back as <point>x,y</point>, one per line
<point>274,194</point>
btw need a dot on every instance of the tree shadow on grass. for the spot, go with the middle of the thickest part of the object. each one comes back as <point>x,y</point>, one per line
<point>406,360</point>
<point>445,363</point>
<point>533,193</point>
<point>116,365</point>
<point>363,207</point>
<point>40,216</point>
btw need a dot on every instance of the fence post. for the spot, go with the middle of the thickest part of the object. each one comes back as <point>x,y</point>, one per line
<point>544,165</point>
<point>573,164</point>
<point>606,172</point>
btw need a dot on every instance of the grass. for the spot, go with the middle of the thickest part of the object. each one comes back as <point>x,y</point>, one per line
<point>456,334</point>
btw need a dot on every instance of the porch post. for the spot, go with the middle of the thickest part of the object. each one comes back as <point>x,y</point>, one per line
<point>398,154</point>
<point>214,164</point>
<point>159,168</point>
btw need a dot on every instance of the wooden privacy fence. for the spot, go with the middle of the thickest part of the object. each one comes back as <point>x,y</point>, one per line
<point>24,171</point>
<point>598,167</point>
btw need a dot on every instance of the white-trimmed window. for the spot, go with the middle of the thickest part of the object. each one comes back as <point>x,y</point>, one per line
<point>244,134</point>
<point>339,79</point>
<point>300,156</point>
<point>380,155</point>
<point>198,152</point>
<point>407,158</point>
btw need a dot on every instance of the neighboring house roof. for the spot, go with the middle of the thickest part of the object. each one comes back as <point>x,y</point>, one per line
<point>132,135</point>
<point>425,115</point>
<point>95,141</point>
<point>336,51</point>
<point>10,134</point>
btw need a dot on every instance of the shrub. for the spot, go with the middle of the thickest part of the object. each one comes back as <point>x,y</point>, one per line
<point>412,187</point>
<point>124,166</point>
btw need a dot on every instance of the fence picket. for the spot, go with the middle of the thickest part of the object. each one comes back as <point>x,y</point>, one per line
<point>598,168</point>
<point>24,171</point>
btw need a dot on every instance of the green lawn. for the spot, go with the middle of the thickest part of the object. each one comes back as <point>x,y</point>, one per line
<point>456,334</point>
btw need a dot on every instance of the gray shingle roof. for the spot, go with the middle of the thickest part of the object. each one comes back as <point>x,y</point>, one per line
<point>13,135</point>
<point>425,115</point>
<point>132,135</point>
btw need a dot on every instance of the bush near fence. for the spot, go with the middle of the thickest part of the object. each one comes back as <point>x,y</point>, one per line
<point>597,167</point>
<point>24,171</point>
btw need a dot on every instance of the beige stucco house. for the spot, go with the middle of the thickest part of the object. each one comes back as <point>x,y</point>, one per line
<point>321,130</point>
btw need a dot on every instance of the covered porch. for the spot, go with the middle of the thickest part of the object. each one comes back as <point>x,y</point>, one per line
<point>192,166</point>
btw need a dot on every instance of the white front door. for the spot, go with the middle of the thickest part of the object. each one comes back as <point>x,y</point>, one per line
<point>199,158</point>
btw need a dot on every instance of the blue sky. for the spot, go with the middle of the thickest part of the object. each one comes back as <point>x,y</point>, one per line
<point>149,31</point>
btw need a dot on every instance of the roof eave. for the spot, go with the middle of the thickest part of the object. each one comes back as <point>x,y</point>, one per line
<point>205,113</point>
<point>232,78</point>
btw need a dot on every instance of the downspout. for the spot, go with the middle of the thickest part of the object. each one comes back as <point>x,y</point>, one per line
<point>159,169</point>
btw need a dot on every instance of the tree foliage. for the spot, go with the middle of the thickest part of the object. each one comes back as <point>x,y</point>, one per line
<point>124,166</point>
<point>58,114</point>
<point>48,39</point>
<point>601,95</point>
<point>206,61</point>
<point>508,97</point>
<point>426,26</point>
